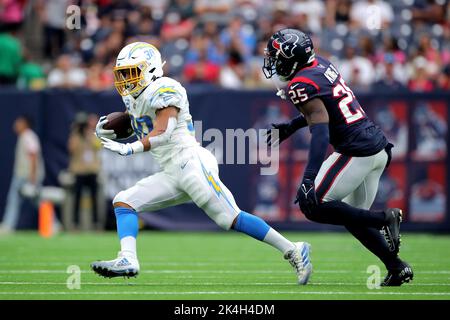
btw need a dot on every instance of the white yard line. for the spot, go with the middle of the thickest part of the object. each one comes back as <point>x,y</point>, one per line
<point>293,284</point>
<point>228,292</point>
<point>175,271</point>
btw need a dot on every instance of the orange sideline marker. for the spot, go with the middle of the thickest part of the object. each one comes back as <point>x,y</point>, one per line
<point>46,215</point>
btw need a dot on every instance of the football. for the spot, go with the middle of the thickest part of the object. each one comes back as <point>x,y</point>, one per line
<point>120,122</point>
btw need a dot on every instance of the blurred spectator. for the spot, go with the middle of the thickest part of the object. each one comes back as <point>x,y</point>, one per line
<point>53,15</point>
<point>337,12</point>
<point>240,37</point>
<point>209,42</point>
<point>28,173</point>
<point>202,71</point>
<point>357,70</point>
<point>390,45</point>
<point>99,77</point>
<point>184,7</point>
<point>232,74</point>
<point>11,14</point>
<point>175,27</point>
<point>313,12</point>
<point>10,58</point>
<point>429,11</point>
<point>420,80</point>
<point>389,75</point>
<point>84,162</point>
<point>430,53</point>
<point>213,10</point>
<point>66,75</point>
<point>371,14</point>
<point>31,74</point>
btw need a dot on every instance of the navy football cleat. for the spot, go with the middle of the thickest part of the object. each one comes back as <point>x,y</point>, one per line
<point>396,277</point>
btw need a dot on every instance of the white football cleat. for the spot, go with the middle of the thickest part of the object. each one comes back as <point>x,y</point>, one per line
<point>125,265</point>
<point>299,259</point>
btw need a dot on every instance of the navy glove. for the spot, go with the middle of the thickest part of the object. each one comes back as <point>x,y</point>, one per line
<point>306,196</point>
<point>285,131</point>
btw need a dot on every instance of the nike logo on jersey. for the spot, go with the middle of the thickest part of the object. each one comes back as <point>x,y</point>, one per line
<point>184,165</point>
<point>293,86</point>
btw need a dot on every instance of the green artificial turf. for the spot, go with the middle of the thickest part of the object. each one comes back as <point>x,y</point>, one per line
<point>180,265</point>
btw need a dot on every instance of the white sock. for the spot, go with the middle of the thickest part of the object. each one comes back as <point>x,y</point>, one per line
<point>128,245</point>
<point>276,240</point>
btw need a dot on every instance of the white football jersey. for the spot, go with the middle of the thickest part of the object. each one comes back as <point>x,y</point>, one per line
<point>161,93</point>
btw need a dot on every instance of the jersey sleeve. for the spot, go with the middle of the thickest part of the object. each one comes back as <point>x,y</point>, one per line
<point>301,90</point>
<point>167,93</point>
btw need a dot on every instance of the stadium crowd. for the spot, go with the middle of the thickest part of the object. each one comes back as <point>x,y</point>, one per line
<point>386,45</point>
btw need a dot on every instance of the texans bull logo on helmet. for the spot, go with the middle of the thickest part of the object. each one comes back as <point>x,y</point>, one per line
<point>287,46</point>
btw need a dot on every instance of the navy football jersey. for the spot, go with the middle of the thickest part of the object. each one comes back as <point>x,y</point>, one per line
<point>352,133</point>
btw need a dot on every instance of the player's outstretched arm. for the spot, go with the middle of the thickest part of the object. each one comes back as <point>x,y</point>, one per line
<point>317,117</point>
<point>164,124</point>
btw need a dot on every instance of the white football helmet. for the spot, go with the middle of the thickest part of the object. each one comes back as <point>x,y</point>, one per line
<point>137,65</point>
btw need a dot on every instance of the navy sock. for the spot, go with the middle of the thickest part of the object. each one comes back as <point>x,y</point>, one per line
<point>341,213</point>
<point>374,241</point>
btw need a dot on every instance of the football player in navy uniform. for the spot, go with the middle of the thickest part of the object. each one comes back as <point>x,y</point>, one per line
<point>338,190</point>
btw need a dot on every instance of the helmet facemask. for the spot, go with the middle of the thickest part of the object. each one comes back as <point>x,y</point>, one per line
<point>128,80</point>
<point>269,65</point>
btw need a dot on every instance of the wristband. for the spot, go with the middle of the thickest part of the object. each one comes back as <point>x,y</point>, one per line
<point>137,147</point>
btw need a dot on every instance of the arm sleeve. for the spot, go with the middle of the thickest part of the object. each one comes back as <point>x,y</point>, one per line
<point>317,150</point>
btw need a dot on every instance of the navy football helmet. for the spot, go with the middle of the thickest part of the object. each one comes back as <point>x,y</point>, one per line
<point>287,51</point>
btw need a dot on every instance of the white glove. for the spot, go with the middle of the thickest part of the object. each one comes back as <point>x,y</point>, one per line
<point>282,94</point>
<point>103,133</point>
<point>124,149</point>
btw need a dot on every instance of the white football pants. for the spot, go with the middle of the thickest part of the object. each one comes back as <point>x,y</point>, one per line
<point>192,175</point>
<point>353,180</point>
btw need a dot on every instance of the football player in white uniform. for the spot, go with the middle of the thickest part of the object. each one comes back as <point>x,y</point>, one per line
<point>159,111</point>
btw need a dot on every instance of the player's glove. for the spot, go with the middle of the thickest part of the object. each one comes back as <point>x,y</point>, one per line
<point>100,132</point>
<point>285,130</point>
<point>306,196</point>
<point>124,149</point>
